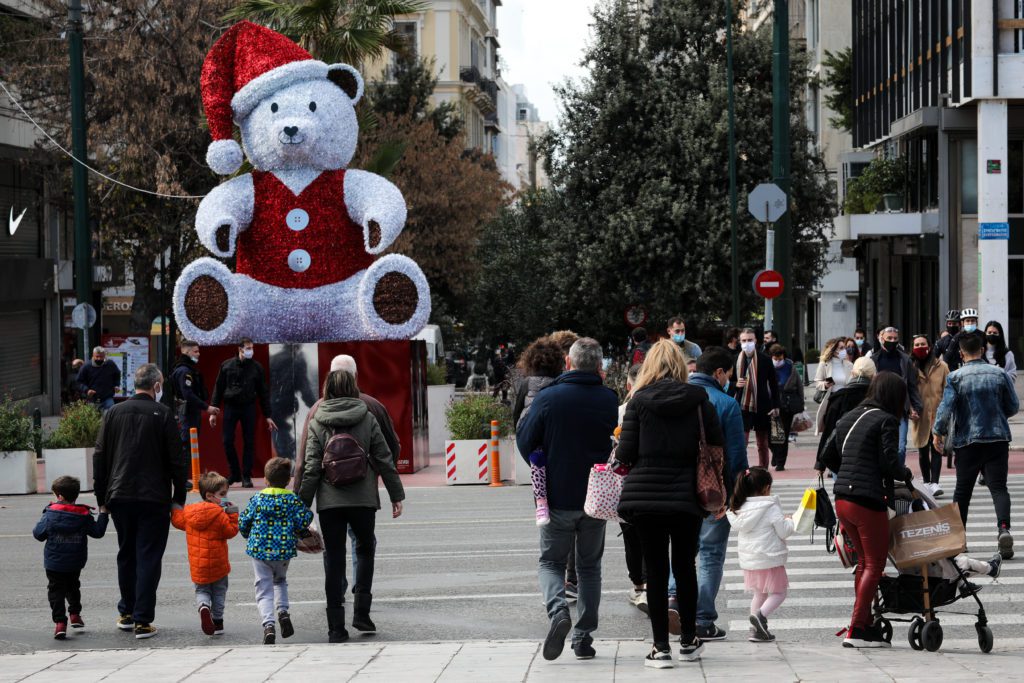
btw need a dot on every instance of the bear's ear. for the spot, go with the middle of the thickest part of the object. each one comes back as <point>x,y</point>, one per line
<point>348,79</point>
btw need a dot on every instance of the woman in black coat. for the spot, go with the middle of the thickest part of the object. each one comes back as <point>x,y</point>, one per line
<point>660,441</point>
<point>863,452</point>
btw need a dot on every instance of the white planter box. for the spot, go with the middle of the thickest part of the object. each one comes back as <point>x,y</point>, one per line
<point>439,397</point>
<point>467,461</point>
<point>71,462</point>
<point>513,467</point>
<point>17,472</point>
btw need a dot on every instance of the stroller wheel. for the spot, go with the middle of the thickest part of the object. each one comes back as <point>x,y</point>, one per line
<point>884,627</point>
<point>984,638</point>
<point>914,633</point>
<point>931,636</point>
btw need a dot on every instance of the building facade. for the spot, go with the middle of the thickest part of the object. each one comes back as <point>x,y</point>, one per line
<point>939,87</point>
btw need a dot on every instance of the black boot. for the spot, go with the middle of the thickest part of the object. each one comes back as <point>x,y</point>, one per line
<point>336,632</point>
<point>361,613</point>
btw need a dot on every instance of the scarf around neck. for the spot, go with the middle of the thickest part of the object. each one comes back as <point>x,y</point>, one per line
<point>747,367</point>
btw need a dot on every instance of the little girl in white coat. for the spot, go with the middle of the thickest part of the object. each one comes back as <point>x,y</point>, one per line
<point>763,552</point>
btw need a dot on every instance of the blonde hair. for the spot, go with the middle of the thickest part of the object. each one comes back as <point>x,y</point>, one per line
<point>832,348</point>
<point>863,367</point>
<point>665,359</point>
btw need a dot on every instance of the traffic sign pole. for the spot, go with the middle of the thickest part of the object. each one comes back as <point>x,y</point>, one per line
<point>781,161</point>
<point>769,263</point>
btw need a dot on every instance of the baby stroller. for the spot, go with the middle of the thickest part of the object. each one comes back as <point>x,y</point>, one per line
<point>921,594</point>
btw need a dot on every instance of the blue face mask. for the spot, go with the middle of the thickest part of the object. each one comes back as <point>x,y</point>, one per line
<point>679,338</point>
<point>970,328</point>
<point>858,342</point>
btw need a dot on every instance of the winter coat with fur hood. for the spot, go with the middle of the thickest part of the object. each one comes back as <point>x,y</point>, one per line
<point>763,529</point>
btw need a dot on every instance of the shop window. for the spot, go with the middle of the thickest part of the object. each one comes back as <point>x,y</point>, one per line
<point>969,177</point>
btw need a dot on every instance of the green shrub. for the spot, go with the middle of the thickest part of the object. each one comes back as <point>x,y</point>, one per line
<point>471,417</point>
<point>437,374</point>
<point>16,430</point>
<point>881,177</point>
<point>812,356</point>
<point>79,426</point>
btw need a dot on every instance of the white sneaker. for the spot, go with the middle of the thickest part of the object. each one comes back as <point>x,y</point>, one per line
<point>638,598</point>
<point>936,489</point>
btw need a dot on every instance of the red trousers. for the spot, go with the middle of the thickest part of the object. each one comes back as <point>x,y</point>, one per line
<point>763,446</point>
<point>869,532</point>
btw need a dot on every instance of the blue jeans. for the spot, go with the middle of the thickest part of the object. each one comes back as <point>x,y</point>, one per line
<point>555,541</point>
<point>213,595</point>
<point>714,538</point>
<point>106,404</point>
<point>903,442</point>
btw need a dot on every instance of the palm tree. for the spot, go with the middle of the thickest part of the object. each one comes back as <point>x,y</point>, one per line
<point>348,31</point>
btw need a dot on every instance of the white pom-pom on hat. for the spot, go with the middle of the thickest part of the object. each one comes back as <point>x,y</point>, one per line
<point>224,156</point>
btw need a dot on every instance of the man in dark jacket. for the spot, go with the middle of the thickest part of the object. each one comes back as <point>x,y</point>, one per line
<point>969,320</point>
<point>98,380</point>
<point>891,358</point>
<point>189,390</point>
<point>139,469</point>
<point>756,388</point>
<point>952,329</point>
<point>240,384</point>
<point>572,419</point>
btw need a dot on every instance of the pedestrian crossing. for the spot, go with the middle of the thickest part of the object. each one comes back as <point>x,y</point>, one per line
<point>820,598</point>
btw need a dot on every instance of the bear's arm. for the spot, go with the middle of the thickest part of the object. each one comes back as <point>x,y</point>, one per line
<point>376,205</point>
<point>224,213</point>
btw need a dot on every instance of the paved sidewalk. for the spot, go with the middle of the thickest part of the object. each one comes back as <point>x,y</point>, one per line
<point>497,662</point>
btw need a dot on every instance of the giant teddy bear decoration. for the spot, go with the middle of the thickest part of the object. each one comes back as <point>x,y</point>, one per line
<point>306,232</point>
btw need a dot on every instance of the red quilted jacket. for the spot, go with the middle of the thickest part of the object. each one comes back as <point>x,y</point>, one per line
<point>207,528</point>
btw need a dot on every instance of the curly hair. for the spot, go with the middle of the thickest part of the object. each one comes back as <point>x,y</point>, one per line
<point>565,339</point>
<point>542,358</point>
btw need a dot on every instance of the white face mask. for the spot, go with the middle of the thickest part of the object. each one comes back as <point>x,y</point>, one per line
<point>159,391</point>
<point>748,347</point>
<point>842,354</point>
<point>246,353</point>
<point>778,363</point>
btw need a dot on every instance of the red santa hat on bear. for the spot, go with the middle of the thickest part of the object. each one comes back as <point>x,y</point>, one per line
<point>247,64</point>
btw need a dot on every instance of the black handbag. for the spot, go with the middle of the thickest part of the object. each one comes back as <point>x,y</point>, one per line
<point>820,395</point>
<point>825,516</point>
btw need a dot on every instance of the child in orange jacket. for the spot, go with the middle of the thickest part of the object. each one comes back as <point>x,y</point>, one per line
<point>208,525</point>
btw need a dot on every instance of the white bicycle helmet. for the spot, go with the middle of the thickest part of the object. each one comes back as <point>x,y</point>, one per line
<point>969,313</point>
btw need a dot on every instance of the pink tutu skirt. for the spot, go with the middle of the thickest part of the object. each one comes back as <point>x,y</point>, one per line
<point>772,580</point>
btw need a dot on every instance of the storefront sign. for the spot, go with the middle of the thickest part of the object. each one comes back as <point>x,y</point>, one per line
<point>994,166</point>
<point>994,231</point>
<point>129,353</point>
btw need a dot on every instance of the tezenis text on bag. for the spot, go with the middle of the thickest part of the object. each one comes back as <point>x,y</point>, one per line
<point>942,528</point>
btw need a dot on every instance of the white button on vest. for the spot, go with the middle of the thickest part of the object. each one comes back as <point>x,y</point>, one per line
<point>297,219</point>
<point>299,260</point>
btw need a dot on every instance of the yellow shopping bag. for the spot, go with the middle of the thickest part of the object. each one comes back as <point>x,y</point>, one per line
<point>803,519</point>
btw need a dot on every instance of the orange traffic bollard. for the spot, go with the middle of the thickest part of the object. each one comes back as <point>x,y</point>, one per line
<point>495,455</point>
<point>193,437</point>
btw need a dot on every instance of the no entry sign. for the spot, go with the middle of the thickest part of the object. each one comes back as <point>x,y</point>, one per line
<point>768,284</point>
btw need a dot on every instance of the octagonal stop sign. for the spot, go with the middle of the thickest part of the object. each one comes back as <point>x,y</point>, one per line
<point>768,284</point>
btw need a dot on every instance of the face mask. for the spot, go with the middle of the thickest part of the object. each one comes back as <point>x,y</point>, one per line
<point>970,328</point>
<point>194,359</point>
<point>858,342</point>
<point>890,346</point>
<point>842,354</point>
<point>992,339</point>
<point>726,387</point>
<point>952,329</point>
<point>778,363</point>
<point>97,362</point>
<point>679,338</point>
<point>921,352</point>
<point>247,353</point>
<point>748,347</point>
<point>159,391</point>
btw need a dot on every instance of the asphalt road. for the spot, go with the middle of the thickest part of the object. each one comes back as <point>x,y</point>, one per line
<point>459,565</point>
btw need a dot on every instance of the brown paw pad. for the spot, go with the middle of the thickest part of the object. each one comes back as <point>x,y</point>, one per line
<point>206,303</point>
<point>395,298</point>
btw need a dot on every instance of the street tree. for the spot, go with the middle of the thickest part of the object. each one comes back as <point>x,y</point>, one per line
<point>639,162</point>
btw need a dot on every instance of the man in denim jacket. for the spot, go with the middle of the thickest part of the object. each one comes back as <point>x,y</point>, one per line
<point>975,406</point>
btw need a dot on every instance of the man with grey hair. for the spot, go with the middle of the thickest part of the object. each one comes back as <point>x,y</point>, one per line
<point>139,470</point>
<point>99,379</point>
<point>571,420</point>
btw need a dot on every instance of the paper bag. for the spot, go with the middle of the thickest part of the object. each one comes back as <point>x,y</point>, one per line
<point>803,519</point>
<point>926,536</point>
<point>312,544</point>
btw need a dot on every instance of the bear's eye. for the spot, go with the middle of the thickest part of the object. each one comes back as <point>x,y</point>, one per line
<point>312,106</point>
<point>273,107</point>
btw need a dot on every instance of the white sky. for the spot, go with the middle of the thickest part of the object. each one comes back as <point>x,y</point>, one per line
<point>542,43</point>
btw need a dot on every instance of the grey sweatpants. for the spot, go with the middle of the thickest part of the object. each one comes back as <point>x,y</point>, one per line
<point>271,587</point>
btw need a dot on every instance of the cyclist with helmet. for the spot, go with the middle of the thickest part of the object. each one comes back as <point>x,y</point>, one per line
<point>946,338</point>
<point>969,320</point>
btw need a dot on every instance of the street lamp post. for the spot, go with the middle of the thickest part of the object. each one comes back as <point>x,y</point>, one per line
<point>781,166</point>
<point>730,83</point>
<point>79,174</point>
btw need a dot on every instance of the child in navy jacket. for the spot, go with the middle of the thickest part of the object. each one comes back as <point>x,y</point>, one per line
<point>64,527</point>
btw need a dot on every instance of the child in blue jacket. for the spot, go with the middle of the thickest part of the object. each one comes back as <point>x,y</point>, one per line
<point>64,527</point>
<point>272,522</point>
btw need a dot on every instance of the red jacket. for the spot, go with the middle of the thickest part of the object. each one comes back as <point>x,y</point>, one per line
<point>207,527</point>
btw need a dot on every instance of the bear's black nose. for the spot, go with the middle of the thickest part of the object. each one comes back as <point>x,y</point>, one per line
<point>290,131</point>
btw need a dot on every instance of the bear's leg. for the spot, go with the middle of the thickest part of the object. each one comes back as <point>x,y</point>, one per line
<point>206,305</point>
<point>394,298</point>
